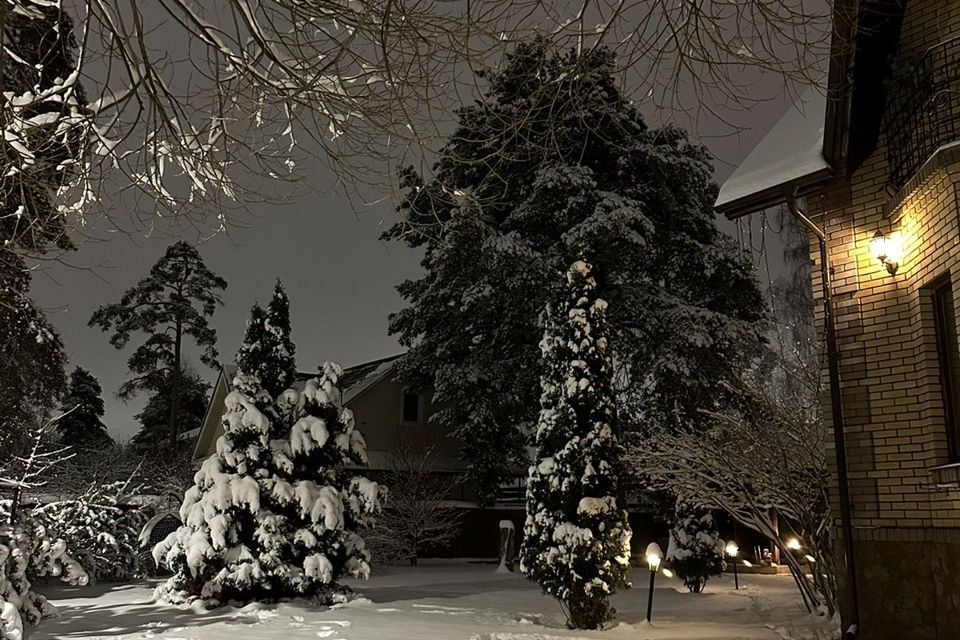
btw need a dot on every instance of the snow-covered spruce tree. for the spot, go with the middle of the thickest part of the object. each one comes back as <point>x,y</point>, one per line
<point>695,550</point>
<point>274,512</point>
<point>576,536</point>
<point>500,214</point>
<point>80,426</point>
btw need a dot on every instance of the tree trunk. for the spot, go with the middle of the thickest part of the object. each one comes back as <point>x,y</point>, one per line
<point>175,387</point>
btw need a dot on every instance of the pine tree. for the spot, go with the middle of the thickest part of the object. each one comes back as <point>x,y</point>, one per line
<point>576,537</point>
<point>267,351</point>
<point>192,397</point>
<point>695,550</point>
<point>501,214</point>
<point>176,300</point>
<point>32,376</point>
<point>274,513</point>
<point>81,426</point>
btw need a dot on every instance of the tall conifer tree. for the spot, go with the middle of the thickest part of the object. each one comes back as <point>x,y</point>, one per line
<point>268,351</point>
<point>175,301</point>
<point>576,537</point>
<point>501,213</point>
<point>81,426</point>
<point>274,512</point>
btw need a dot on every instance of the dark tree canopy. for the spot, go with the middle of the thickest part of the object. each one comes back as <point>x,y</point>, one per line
<point>176,300</point>
<point>31,356</point>
<point>81,425</point>
<point>501,216</point>
<point>192,397</point>
<point>267,351</point>
<point>40,138</point>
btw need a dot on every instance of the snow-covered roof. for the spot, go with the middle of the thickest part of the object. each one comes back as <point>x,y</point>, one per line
<point>790,153</point>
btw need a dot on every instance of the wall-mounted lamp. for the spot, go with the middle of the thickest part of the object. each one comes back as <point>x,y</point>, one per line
<point>888,250</point>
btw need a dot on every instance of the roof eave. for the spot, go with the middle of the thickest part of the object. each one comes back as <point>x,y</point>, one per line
<point>774,195</point>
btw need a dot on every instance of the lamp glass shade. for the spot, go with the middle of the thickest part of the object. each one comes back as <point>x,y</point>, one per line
<point>654,556</point>
<point>732,549</point>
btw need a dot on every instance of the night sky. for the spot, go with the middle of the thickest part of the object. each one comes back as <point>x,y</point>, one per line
<point>340,277</point>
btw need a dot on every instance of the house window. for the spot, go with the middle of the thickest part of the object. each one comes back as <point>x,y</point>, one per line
<point>411,406</point>
<point>948,352</point>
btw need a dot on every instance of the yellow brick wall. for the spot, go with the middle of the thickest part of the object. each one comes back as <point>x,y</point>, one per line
<point>890,378</point>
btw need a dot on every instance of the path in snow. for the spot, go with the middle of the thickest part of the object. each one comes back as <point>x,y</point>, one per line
<point>446,601</point>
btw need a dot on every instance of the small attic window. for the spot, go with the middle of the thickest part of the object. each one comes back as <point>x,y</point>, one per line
<point>411,406</point>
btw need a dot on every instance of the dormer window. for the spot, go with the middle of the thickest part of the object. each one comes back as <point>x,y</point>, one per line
<point>411,406</point>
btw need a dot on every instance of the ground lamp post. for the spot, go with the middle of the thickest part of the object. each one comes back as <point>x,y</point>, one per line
<point>654,558</point>
<point>733,550</point>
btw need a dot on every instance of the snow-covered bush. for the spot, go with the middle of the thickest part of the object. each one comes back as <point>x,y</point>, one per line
<point>100,530</point>
<point>695,550</point>
<point>576,536</point>
<point>274,512</point>
<point>29,550</point>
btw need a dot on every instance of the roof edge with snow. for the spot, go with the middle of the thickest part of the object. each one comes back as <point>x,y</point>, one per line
<point>790,156</point>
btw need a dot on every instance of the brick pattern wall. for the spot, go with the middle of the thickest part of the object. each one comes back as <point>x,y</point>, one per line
<point>893,406</point>
<point>890,376</point>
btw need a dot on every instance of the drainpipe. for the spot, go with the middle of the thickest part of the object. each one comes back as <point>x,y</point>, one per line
<point>836,405</point>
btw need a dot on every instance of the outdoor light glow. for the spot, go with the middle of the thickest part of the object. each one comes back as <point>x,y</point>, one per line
<point>732,549</point>
<point>747,563</point>
<point>654,556</point>
<point>793,544</point>
<point>810,558</point>
<point>888,249</point>
<point>667,573</point>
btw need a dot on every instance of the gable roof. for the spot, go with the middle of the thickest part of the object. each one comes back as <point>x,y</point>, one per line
<point>818,138</point>
<point>790,153</point>
<point>354,381</point>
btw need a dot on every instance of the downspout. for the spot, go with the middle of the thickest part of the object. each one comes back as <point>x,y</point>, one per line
<point>836,405</point>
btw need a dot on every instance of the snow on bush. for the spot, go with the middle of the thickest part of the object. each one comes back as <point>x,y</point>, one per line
<point>100,530</point>
<point>275,511</point>
<point>695,550</point>
<point>576,536</point>
<point>29,550</point>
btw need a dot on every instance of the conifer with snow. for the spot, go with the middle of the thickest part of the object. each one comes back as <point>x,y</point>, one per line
<point>576,536</point>
<point>695,550</point>
<point>274,512</point>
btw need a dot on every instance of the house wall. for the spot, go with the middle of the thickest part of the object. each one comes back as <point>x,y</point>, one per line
<point>906,526</point>
<point>378,415</point>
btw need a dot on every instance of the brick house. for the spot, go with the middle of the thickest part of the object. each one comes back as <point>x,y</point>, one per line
<point>875,165</point>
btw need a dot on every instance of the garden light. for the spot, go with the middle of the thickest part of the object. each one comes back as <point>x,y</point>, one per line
<point>654,558</point>
<point>733,550</point>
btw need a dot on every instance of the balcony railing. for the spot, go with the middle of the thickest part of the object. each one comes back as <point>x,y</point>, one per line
<point>923,111</point>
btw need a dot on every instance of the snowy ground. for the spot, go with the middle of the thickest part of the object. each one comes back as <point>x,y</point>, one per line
<point>448,601</point>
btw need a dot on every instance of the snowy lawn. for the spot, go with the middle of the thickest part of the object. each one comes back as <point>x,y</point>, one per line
<point>445,601</point>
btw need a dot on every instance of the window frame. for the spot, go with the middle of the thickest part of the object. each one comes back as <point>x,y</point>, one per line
<point>948,375</point>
